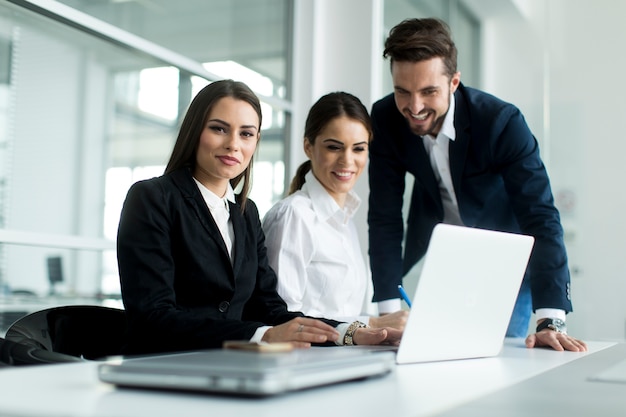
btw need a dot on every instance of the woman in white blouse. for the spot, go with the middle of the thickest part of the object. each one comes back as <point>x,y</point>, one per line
<point>311,237</point>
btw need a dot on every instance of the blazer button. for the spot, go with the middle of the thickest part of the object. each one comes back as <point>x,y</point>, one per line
<point>223,307</point>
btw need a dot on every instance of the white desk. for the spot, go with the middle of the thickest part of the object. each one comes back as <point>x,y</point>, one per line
<point>467,388</point>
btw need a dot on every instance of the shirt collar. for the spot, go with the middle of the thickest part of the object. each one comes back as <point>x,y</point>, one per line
<point>324,205</point>
<point>447,128</point>
<point>213,200</point>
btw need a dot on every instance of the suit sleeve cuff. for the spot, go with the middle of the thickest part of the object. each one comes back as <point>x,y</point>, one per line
<point>260,332</point>
<point>552,313</point>
<point>389,306</point>
<point>342,328</point>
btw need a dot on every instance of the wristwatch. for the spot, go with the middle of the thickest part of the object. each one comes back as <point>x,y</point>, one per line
<point>347,339</point>
<point>557,325</point>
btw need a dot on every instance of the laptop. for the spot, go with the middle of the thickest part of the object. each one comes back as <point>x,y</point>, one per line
<point>465,294</point>
<point>247,372</point>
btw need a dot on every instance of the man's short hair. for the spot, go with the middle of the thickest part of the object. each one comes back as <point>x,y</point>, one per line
<point>415,40</point>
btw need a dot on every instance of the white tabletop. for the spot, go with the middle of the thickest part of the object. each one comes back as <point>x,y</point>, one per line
<point>410,390</point>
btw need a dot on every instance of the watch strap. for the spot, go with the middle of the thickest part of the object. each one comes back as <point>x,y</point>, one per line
<point>557,325</point>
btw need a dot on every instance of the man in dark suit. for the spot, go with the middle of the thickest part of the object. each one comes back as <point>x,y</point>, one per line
<point>475,163</point>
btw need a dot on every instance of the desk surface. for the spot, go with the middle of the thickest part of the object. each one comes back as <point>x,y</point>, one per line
<point>467,387</point>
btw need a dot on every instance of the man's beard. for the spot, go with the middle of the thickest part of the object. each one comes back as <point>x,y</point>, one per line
<point>432,129</point>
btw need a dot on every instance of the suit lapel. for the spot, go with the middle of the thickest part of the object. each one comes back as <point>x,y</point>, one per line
<point>239,227</point>
<point>458,147</point>
<point>208,222</point>
<point>183,179</point>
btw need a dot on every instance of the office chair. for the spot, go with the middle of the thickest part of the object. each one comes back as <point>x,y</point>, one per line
<point>66,334</point>
<point>17,354</point>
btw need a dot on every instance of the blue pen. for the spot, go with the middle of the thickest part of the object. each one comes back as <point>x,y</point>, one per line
<point>404,295</point>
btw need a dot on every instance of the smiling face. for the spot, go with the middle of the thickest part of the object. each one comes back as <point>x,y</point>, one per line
<point>422,93</point>
<point>227,143</point>
<point>338,155</point>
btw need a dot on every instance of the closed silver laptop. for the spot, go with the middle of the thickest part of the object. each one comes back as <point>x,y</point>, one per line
<point>246,372</point>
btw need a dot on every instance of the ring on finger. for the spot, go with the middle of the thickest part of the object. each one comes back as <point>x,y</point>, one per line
<point>300,328</point>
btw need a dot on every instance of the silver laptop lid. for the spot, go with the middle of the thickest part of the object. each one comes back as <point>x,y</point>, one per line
<point>465,294</point>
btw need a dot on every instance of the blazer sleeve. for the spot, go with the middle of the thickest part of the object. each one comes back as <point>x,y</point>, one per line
<point>385,221</point>
<point>266,302</point>
<point>528,186</point>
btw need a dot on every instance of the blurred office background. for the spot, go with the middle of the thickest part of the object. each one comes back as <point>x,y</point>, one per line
<point>91,93</point>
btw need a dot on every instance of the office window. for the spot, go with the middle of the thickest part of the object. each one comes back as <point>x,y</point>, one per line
<point>85,113</point>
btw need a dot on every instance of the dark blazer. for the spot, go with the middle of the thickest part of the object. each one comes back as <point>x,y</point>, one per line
<point>500,184</point>
<point>179,289</point>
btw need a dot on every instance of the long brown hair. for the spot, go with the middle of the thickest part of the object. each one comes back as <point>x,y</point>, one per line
<point>188,140</point>
<point>325,110</point>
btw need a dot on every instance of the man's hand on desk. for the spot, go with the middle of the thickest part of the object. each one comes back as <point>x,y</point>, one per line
<point>555,340</point>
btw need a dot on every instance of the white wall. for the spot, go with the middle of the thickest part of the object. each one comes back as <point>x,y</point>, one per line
<point>588,111</point>
<point>557,60</point>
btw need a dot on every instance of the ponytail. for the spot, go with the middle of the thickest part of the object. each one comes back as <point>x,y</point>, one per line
<point>298,180</point>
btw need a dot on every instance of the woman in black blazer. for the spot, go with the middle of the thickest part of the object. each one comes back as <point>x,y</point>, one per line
<point>191,254</point>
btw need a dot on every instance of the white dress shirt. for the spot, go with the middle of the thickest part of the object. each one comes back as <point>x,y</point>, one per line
<point>437,149</point>
<point>313,246</point>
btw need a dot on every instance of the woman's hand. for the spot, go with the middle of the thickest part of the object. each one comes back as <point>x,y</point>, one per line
<point>379,336</point>
<point>301,332</point>
<point>397,320</point>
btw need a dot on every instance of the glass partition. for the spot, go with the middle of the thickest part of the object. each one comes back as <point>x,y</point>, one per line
<point>91,96</point>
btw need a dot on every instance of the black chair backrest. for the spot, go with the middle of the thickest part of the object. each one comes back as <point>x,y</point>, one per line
<point>17,354</point>
<point>83,331</point>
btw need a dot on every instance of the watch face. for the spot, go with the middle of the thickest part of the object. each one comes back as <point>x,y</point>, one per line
<point>557,325</point>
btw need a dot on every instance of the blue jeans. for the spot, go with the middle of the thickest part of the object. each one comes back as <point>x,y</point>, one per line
<point>518,326</point>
